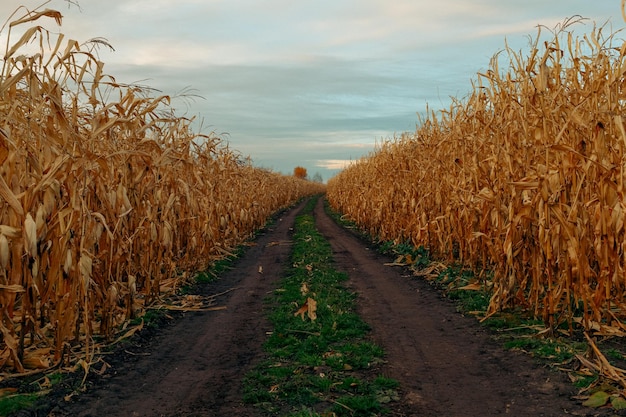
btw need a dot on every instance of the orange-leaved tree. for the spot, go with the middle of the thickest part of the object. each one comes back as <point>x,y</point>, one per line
<point>299,172</point>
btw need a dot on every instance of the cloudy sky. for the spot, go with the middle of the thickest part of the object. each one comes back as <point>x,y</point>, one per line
<point>313,83</point>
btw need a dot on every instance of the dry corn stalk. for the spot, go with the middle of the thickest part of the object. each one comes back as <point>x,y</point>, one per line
<point>104,205</point>
<point>524,178</point>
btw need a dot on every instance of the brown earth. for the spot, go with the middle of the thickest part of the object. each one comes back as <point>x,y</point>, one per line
<point>447,364</point>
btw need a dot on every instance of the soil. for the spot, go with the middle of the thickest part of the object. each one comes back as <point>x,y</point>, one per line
<point>447,364</point>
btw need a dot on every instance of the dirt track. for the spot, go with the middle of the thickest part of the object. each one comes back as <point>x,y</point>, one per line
<point>446,363</point>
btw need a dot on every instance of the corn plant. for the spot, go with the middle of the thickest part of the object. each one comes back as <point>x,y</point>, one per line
<point>107,198</point>
<point>523,178</point>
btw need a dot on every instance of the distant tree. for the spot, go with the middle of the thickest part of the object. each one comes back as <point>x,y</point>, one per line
<point>299,172</point>
<point>317,177</point>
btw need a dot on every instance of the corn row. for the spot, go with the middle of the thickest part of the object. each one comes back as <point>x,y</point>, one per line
<point>107,199</point>
<point>523,179</point>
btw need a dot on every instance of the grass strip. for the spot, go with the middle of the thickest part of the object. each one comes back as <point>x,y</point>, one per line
<point>319,359</point>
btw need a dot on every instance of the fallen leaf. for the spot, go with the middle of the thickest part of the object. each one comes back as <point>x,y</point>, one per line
<point>618,403</point>
<point>597,399</point>
<point>301,311</point>
<point>309,307</point>
<point>387,396</point>
<point>472,287</point>
<point>103,369</point>
<point>312,308</point>
<point>398,262</point>
<point>34,362</point>
<point>4,147</point>
<point>128,334</point>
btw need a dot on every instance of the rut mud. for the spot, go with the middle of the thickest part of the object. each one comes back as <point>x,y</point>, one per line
<point>447,364</point>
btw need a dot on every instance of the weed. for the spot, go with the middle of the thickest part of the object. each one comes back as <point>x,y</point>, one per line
<point>470,300</point>
<point>584,381</point>
<point>554,350</point>
<point>357,405</point>
<point>614,354</point>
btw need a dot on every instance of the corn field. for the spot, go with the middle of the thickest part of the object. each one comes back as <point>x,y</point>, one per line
<point>521,181</point>
<point>107,199</point>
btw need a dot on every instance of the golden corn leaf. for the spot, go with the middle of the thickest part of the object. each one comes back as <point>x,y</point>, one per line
<point>4,146</point>
<point>54,14</point>
<point>9,197</point>
<point>12,288</point>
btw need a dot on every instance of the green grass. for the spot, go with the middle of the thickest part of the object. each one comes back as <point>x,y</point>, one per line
<point>16,402</point>
<point>28,393</point>
<point>613,353</point>
<point>554,350</point>
<point>323,363</point>
<point>584,381</point>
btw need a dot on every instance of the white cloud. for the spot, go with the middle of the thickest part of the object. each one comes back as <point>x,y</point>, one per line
<point>189,54</point>
<point>337,164</point>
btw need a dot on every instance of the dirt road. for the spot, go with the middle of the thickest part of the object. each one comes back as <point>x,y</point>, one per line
<point>446,363</point>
